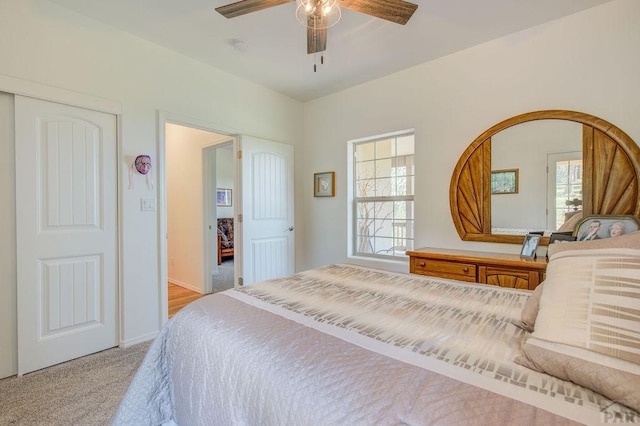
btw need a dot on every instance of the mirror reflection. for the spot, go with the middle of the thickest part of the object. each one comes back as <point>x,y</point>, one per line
<point>547,155</point>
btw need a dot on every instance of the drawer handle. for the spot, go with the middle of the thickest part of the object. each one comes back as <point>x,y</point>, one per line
<point>421,264</point>
<point>465,269</point>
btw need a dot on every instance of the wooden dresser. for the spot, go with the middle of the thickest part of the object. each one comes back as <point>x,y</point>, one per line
<point>505,270</point>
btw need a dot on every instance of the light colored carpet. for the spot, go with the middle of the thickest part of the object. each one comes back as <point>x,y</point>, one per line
<point>224,279</point>
<point>85,391</point>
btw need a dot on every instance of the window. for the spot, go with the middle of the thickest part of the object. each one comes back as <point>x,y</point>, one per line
<point>565,174</point>
<point>383,187</point>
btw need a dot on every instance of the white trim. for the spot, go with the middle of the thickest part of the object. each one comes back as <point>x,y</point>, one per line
<point>193,288</point>
<point>209,216</point>
<point>374,138</point>
<point>55,94</point>
<point>374,260</point>
<point>140,339</point>
<point>392,264</point>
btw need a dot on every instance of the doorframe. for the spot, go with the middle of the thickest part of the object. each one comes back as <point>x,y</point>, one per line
<point>210,209</point>
<point>164,118</point>
<point>210,214</point>
<point>17,86</point>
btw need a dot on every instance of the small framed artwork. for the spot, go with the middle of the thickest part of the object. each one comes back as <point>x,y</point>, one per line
<point>504,181</point>
<point>529,246</point>
<point>596,227</point>
<point>223,197</point>
<point>324,184</point>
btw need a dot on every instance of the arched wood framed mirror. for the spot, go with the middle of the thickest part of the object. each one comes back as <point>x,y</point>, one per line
<point>610,181</point>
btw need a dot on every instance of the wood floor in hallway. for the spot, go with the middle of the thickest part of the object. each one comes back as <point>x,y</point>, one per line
<point>179,297</point>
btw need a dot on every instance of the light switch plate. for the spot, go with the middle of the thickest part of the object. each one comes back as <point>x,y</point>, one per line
<point>148,204</point>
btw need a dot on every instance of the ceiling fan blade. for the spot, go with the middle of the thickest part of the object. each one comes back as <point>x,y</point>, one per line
<point>398,11</point>
<point>316,34</point>
<point>247,6</point>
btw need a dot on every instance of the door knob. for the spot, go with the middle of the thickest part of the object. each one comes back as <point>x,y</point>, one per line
<point>291,228</point>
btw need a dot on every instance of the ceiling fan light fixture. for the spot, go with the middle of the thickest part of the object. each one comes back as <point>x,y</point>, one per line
<point>318,14</point>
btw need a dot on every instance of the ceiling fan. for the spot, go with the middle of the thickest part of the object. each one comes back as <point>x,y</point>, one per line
<point>318,15</point>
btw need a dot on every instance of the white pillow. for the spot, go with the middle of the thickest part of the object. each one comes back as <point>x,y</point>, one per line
<point>588,325</point>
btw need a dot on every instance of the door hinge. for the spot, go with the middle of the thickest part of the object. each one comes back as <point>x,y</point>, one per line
<point>239,154</point>
<point>240,218</point>
<point>240,281</point>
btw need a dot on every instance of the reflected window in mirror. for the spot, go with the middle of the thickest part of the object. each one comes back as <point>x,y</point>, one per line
<point>565,175</point>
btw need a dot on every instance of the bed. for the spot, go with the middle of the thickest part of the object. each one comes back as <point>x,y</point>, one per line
<point>346,345</point>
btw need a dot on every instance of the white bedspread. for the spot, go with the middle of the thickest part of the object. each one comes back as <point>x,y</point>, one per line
<point>347,345</point>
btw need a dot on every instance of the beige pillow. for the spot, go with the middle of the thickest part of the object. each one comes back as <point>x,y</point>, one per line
<point>570,224</point>
<point>588,324</point>
<point>530,310</point>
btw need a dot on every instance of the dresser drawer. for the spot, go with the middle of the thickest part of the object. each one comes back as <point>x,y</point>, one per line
<point>509,277</point>
<point>445,269</point>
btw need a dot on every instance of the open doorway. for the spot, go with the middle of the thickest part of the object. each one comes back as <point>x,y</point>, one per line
<point>220,158</point>
<point>197,163</point>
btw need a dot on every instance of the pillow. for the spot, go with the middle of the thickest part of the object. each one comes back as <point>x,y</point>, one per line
<point>588,324</point>
<point>570,224</point>
<point>530,310</point>
<point>631,240</point>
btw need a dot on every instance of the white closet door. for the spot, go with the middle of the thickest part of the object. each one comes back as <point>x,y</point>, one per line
<point>66,220</point>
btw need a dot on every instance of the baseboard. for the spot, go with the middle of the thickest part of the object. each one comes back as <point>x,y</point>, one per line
<point>185,285</point>
<point>140,339</point>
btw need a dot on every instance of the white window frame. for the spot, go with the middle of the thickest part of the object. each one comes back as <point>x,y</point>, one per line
<point>391,262</point>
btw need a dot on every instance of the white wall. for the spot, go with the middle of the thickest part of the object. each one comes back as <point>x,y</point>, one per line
<point>44,43</point>
<point>525,147</point>
<point>8,290</point>
<point>587,62</point>
<point>224,178</point>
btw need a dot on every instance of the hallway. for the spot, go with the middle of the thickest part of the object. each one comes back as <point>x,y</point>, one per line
<point>179,297</point>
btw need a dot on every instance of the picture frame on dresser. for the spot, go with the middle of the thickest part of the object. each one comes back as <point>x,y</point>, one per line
<point>596,227</point>
<point>559,237</point>
<point>529,246</point>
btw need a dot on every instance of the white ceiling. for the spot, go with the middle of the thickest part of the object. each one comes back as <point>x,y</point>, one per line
<point>359,48</point>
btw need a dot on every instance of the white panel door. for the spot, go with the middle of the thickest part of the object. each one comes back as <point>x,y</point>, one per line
<point>268,249</point>
<point>66,204</point>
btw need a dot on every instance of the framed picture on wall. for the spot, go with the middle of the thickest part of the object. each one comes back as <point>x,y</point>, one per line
<point>324,184</point>
<point>223,197</point>
<point>504,181</point>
